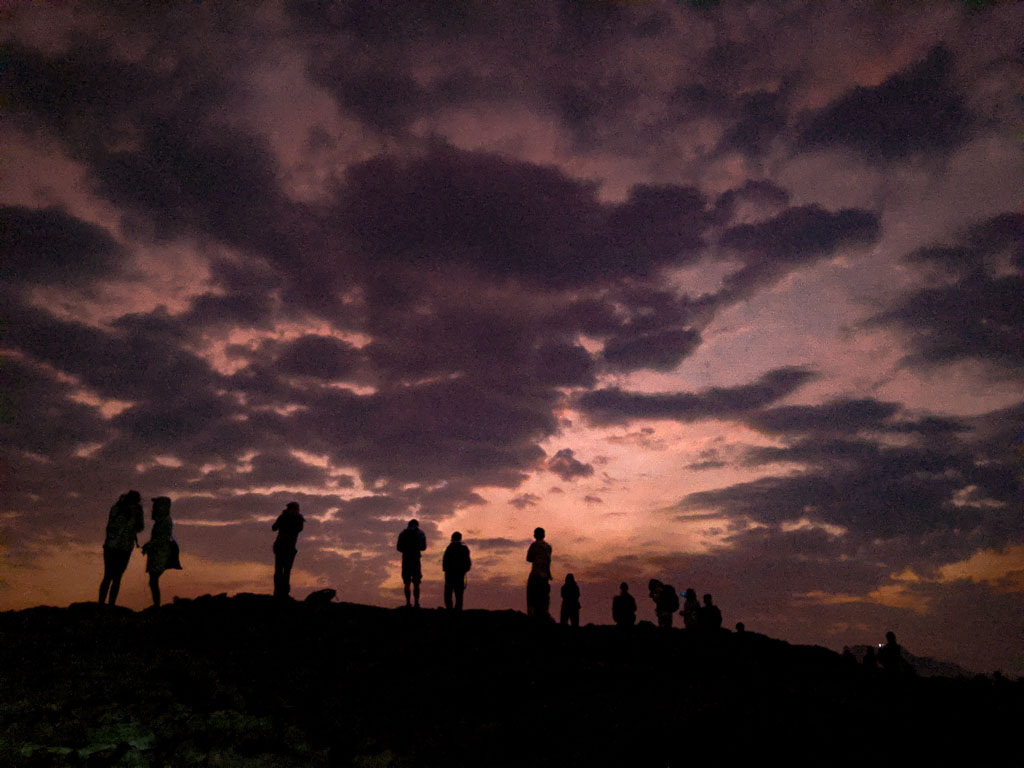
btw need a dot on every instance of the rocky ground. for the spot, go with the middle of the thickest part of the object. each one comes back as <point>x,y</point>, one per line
<point>245,681</point>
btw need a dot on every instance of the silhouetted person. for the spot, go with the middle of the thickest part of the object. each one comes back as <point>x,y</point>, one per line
<point>849,660</point>
<point>411,542</point>
<point>288,526</point>
<point>624,607</point>
<point>538,588</point>
<point>666,602</point>
<point>890,657</point>
<point>710,617</point>
<point>870,661</point>
<point>161,550</point>
<point>124,523</point>
<point>740,627</point>
<point>570,613</point>
<point>691,609</point>
<point>456,565</point>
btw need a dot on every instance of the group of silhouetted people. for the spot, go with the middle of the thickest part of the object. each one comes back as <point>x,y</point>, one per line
<point>706,618</point>
<point>889,657</point>
<point>124,524</point>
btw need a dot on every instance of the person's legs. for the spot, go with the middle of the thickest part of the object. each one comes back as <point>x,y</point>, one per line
<point>154,587</point>
<point>282,572</point>
<point>107,575</point>
<point>460,588</point>
<point>408,596</point>
<point>415,593</point>
<point>120,563</point>
<point>448,589</point>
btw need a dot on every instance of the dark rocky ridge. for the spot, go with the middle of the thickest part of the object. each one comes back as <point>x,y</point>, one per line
<point>246,681</point>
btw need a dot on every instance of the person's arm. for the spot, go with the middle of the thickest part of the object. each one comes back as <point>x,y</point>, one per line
<point>277,523</point>
<point>469,563</point>
<point>140,519</point>
<point>301,522</point>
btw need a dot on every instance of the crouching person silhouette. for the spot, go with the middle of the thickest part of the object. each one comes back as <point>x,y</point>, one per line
<point>161,550</point>
<point>124,523</point>
<point>288,526</point>
<point>456,565</point>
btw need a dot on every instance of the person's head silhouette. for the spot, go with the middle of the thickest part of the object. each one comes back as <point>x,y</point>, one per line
<point>414,523</point>
<point>538,533</point>
<point>624,587</point>
<point>456,536</point>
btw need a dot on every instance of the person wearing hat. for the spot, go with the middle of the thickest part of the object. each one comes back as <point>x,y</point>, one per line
<point>161,550</point>
<point>288,526</point>
<point>124,523</point>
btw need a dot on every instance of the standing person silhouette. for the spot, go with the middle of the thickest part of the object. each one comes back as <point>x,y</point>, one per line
<point>411,542</point>
<point>288,526</point>
<point>691,609</point>
<point>570,613</point>
<point>665,602</point>
<point>456,565</point>
<point>124,523</point>
<point>161,550</point>
<point>624,607</point>
<point>538,589</point>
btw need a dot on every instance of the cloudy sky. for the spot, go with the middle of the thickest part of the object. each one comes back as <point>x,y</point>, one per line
<point>726,293</point>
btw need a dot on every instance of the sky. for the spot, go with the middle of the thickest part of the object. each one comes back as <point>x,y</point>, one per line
<point>722,293</point>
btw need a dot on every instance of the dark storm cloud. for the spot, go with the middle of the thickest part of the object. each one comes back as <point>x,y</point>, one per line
<point>662,350</point>
<point>567,466</point>
<point>322,357</point>
<point>51,246</point>
<point>797,236</point>
<point>935,501</point>
<point>760,192</point>
<point>130,362</point>
<point>916,111</point>
<point>39,415</point>
<point>156,144</point>
<point>978,315</point>
<point>517,220</point>
<point>762,116</point>
<point>524,500</point>
<point>846,416</point>
<point>613,405</point>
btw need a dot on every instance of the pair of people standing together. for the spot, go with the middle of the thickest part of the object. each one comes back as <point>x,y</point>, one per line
<point>455,564</point>
<point>124,523</point>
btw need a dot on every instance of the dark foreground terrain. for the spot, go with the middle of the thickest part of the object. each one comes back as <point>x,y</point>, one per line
<point>243,681</point>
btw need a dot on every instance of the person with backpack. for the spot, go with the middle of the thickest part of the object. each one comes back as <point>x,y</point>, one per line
<point>411,542</point>
<point>124,522</point>
<point>161,550</point>
<point>456,565</point>
<point>570,613</point>
<point>288,526</point>
<point>624,607</point>
<point>666,602</point>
